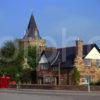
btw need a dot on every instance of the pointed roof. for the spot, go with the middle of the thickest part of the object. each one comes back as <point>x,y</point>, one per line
<point>93,54</point>
<point>32,30</point>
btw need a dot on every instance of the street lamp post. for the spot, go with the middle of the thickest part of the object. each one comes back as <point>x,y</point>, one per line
<point>89,88</point>
<point>59,72</point>
<point>18,76</point>
<point>88,84</point>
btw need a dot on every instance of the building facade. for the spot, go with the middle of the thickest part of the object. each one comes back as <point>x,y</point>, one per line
<point>56,65</point>
<point>88,64</point>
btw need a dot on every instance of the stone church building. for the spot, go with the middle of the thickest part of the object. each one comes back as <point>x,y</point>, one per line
<point>56,64</point>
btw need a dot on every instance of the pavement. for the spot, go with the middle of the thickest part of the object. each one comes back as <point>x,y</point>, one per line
<point>33,94</point>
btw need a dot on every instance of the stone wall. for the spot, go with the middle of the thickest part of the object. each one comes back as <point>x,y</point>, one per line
<point>55,87</point>
<point>41,44</point>
<point>84,70</point>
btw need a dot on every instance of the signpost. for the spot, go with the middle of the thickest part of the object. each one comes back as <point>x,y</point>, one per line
<point>86,82</point>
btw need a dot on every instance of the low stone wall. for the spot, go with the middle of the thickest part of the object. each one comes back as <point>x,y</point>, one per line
<point>51,87</point>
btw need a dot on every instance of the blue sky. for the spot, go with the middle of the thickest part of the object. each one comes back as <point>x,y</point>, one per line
<point>55,18</point>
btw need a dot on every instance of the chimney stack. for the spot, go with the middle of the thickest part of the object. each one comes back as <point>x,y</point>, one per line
<point>79,48</point>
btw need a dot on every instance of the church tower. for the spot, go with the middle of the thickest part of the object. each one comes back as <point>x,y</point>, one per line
<point>32,36</point>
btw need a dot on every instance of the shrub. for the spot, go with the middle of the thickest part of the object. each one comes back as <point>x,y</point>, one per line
<point>95,83</point>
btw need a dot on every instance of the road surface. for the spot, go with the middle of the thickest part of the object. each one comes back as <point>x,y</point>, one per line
<point>47,95</point>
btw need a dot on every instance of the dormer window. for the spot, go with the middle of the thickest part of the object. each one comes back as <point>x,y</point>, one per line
<point>87,62</point>
<point>98,63</point>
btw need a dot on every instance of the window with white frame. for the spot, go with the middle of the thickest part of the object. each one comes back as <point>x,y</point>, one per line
<point>44,66</point>
<point>98,63</point>
<point>87,62</point>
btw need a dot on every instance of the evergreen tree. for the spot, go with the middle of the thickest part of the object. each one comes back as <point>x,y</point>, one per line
<point>75,76</point>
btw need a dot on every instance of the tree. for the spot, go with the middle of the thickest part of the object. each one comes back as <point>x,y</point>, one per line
<point>33,61</point>
<point>75,76</point>
<point>11,59</point>
<point>13,62</point>
<point>30,61</point>
<point>8,51</point>
<point>32,57</point>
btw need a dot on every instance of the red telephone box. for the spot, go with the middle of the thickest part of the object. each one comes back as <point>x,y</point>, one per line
<point>4,81</point>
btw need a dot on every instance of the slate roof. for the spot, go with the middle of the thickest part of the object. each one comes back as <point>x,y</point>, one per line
<point>66,55</point>
<point>32,30</point>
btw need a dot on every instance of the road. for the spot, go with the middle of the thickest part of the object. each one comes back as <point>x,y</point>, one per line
<point>47,95</point>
